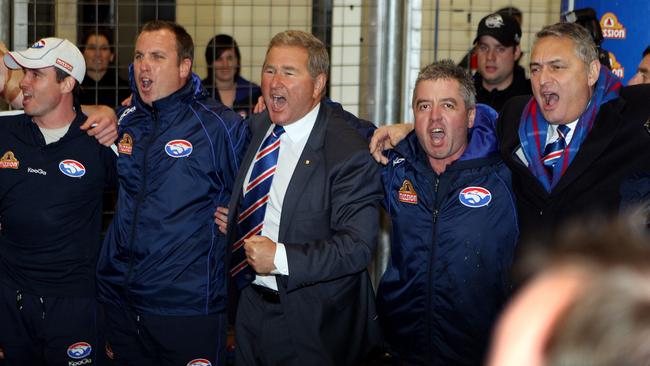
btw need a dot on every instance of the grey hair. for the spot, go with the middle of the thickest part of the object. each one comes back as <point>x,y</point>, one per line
<point>318,61</point>
<point>447,69</point>
<point>584,46</point>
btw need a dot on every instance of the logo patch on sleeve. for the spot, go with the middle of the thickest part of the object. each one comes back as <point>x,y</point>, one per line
<point>72,168</point>
<point>125,146</point>
<point>407,194</point>
<point>9,161</point>
<point>475,197</point>
<point>178,148</point>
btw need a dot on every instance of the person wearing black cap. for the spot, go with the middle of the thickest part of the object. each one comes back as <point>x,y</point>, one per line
<point>499,78</point>
<point>52,176</point>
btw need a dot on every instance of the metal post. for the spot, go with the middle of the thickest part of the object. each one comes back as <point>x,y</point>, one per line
<point>19,33</point>
<point>321,25</point>
<point>380,86</point>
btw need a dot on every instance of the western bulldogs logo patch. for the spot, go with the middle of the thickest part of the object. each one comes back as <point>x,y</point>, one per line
<point>72,168</point>
<point>475,197</point>
<point>178,148</point>
<point>494,21</point>
<point>79,350</point>
<point>39,44</point>
<point>199,362</point>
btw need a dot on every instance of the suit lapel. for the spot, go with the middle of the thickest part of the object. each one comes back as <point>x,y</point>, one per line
<point>309,161</point>
<point>599,138</point>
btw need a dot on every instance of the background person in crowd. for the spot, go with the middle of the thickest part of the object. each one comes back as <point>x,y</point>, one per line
<point>642,75</point>
<point>102,84</point>
<point>587,303</point>
<point>454,227</point>
<point>52,175</point>
<point>582,169</point>
<point>161,271</point>
<point>498,77</point>
<point>306,247</point>
<point>224,81</point>
<point>469,61</point>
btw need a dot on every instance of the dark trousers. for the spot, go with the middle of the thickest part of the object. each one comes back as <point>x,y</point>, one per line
<point>262,332</point>
<point>147,339</point>
<point>38,330</point>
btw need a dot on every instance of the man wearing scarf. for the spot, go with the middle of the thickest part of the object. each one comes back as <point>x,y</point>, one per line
<point>559,172</point>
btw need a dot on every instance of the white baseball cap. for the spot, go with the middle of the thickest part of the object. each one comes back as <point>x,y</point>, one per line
<point>47,52</point>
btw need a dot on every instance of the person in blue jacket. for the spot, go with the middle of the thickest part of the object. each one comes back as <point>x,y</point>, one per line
<point>454,227</point>
<point>162,270</point>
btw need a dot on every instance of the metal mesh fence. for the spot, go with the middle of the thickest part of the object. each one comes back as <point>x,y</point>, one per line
<point>447,28</point>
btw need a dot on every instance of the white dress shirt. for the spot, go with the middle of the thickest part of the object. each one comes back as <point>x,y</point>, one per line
<point>551,133</point>
<point>292,142</point>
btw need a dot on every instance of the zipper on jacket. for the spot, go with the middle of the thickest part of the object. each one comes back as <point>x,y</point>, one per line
<point>429,312</point>
<point>138,202</point>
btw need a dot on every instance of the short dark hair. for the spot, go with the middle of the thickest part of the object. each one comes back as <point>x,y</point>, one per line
<point>646,52</point>
<point>61,75</point>
<point>184,43</point>
<point>447,69</point>
<point>218,45</point>
<point>97,31</point>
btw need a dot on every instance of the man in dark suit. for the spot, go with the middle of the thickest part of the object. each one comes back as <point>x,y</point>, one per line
<point>608,138</point>
<point>310,301</point>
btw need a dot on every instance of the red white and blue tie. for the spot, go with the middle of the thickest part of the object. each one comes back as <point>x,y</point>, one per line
<point>253,207</point>
<point>553,151</point>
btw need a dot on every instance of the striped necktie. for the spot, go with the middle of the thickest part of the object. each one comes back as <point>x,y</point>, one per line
<point>553,150</point>
<point>253,207</point>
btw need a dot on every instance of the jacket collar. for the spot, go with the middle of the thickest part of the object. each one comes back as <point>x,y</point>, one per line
<point>191,90</point>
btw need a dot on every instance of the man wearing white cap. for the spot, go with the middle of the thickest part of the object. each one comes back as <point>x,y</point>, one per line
<point>52,175</point>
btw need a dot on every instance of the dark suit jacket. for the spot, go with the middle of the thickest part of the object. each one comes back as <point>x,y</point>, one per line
<point>617,146</point>
<point>329,225</point>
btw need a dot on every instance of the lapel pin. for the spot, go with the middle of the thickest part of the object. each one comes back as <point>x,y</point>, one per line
<point>307,162</point>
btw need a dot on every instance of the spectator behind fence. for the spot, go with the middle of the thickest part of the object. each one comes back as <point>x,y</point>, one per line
<point>587,304</point>
<point>224,81</point>
<point>162,269</point>
<point>454,227</point>
<point>498,77</point>
<point>469,61</point>
<point>52,176</point>
<point>102,84</point>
